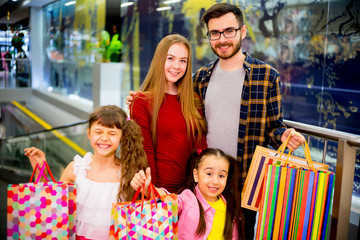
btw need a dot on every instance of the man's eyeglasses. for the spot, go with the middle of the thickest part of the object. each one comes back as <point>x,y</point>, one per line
<point>228,33</point>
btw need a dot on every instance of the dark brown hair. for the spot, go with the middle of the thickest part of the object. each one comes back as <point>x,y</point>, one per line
<point>231,193</point>
<point>220,9</point>
<point>132,155</point>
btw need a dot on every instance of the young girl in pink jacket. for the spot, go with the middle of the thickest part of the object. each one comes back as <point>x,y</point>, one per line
<point>209,205</point>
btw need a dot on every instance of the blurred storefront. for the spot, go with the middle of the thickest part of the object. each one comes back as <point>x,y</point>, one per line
<point>315,45</point>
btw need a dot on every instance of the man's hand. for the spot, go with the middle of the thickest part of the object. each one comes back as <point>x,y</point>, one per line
<point>130,98</point>
<point>296,139</point>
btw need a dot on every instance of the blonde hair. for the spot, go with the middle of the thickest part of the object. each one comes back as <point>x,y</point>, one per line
<point>132,155</point>
<point>154,86</point>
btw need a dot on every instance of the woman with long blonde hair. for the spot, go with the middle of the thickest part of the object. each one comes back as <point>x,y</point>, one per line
<point>169,113</point>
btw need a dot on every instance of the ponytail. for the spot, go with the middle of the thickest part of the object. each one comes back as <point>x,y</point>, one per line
<point>234,215</point>
<point>192,163</point>
<point>132,158</point>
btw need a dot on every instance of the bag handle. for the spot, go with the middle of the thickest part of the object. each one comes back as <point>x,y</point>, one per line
<point>152,192</point>
<point>41,173</point>
<point>308,155</point>
<point>306,148</point>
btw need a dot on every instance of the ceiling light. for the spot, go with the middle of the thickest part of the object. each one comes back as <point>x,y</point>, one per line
<point>26,2</point>
<point>127,4</point>
<point>171,1</point>
<point>163,8</point>
<point>70,3</point>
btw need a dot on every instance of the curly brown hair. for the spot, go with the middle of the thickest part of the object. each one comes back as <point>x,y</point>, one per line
<point>132,155</point>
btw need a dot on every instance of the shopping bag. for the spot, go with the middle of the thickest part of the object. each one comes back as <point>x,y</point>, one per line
<point>296,203</point>
<point>303,195</point>
<point>321,206</point>
<point>276,205</point>
<point>152,218</point>
<point>41,210</point>
<point>253,186</point>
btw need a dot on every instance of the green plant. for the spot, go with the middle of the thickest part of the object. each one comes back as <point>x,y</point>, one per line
<point>110,49</point>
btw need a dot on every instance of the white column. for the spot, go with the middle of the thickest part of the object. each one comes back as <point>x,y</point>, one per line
<point>37,51</point>
<point>107,81</point>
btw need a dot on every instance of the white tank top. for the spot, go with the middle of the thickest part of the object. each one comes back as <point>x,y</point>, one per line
<point>93,201</point>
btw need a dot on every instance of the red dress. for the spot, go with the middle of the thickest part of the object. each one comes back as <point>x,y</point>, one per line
<point>168,159</point>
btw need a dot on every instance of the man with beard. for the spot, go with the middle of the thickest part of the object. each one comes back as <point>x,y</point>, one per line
<point>241,96</point>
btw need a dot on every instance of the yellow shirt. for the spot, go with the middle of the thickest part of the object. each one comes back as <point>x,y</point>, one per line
<point>218,225</point>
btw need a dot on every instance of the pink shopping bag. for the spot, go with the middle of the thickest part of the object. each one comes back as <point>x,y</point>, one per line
<point>41,210</point>
<point>153,218</point>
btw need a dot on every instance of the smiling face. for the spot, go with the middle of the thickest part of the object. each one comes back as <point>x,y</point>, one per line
<point>226,48</point>
<point>211,176</point>
<point>104,140</point>
<point>175,64</point>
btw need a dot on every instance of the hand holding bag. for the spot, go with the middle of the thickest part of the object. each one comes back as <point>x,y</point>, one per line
<point>296,203</point>
<point>253,187</point>
<point>41,210</point>
<point>152,218</point>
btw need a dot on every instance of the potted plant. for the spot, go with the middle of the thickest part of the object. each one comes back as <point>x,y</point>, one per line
<point>110,49</point>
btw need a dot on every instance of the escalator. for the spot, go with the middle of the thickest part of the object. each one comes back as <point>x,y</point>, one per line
<point>19,130</point>
<point>15,122</point>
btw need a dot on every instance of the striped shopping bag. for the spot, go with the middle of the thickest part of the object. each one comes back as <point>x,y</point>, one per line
<point>254,184</point>
<point>296,203</point>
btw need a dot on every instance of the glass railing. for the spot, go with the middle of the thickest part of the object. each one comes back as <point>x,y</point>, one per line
<point>59,144</point>
<point>16,72</point>
<point>15,122</point>
<point>338,149</point>
<point>327,145</point>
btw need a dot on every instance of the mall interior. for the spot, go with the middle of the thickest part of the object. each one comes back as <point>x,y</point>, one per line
<point>60,59</point>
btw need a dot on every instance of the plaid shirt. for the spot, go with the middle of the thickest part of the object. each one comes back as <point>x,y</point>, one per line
<point>261,116</point>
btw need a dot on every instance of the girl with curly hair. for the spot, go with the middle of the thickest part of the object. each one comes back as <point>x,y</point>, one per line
<point>102,177</point>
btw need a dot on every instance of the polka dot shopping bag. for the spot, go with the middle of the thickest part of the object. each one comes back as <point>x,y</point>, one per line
<point>41,210</point>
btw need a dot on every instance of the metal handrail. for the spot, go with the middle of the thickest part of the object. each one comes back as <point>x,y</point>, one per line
<point>15,59</point>
<point>345,168</point>
<point>344,174</point>
<point>330,134</point>
<point>45,131</point>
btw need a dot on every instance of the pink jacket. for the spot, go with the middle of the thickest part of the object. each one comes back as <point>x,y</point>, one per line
<point>189,215</point>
